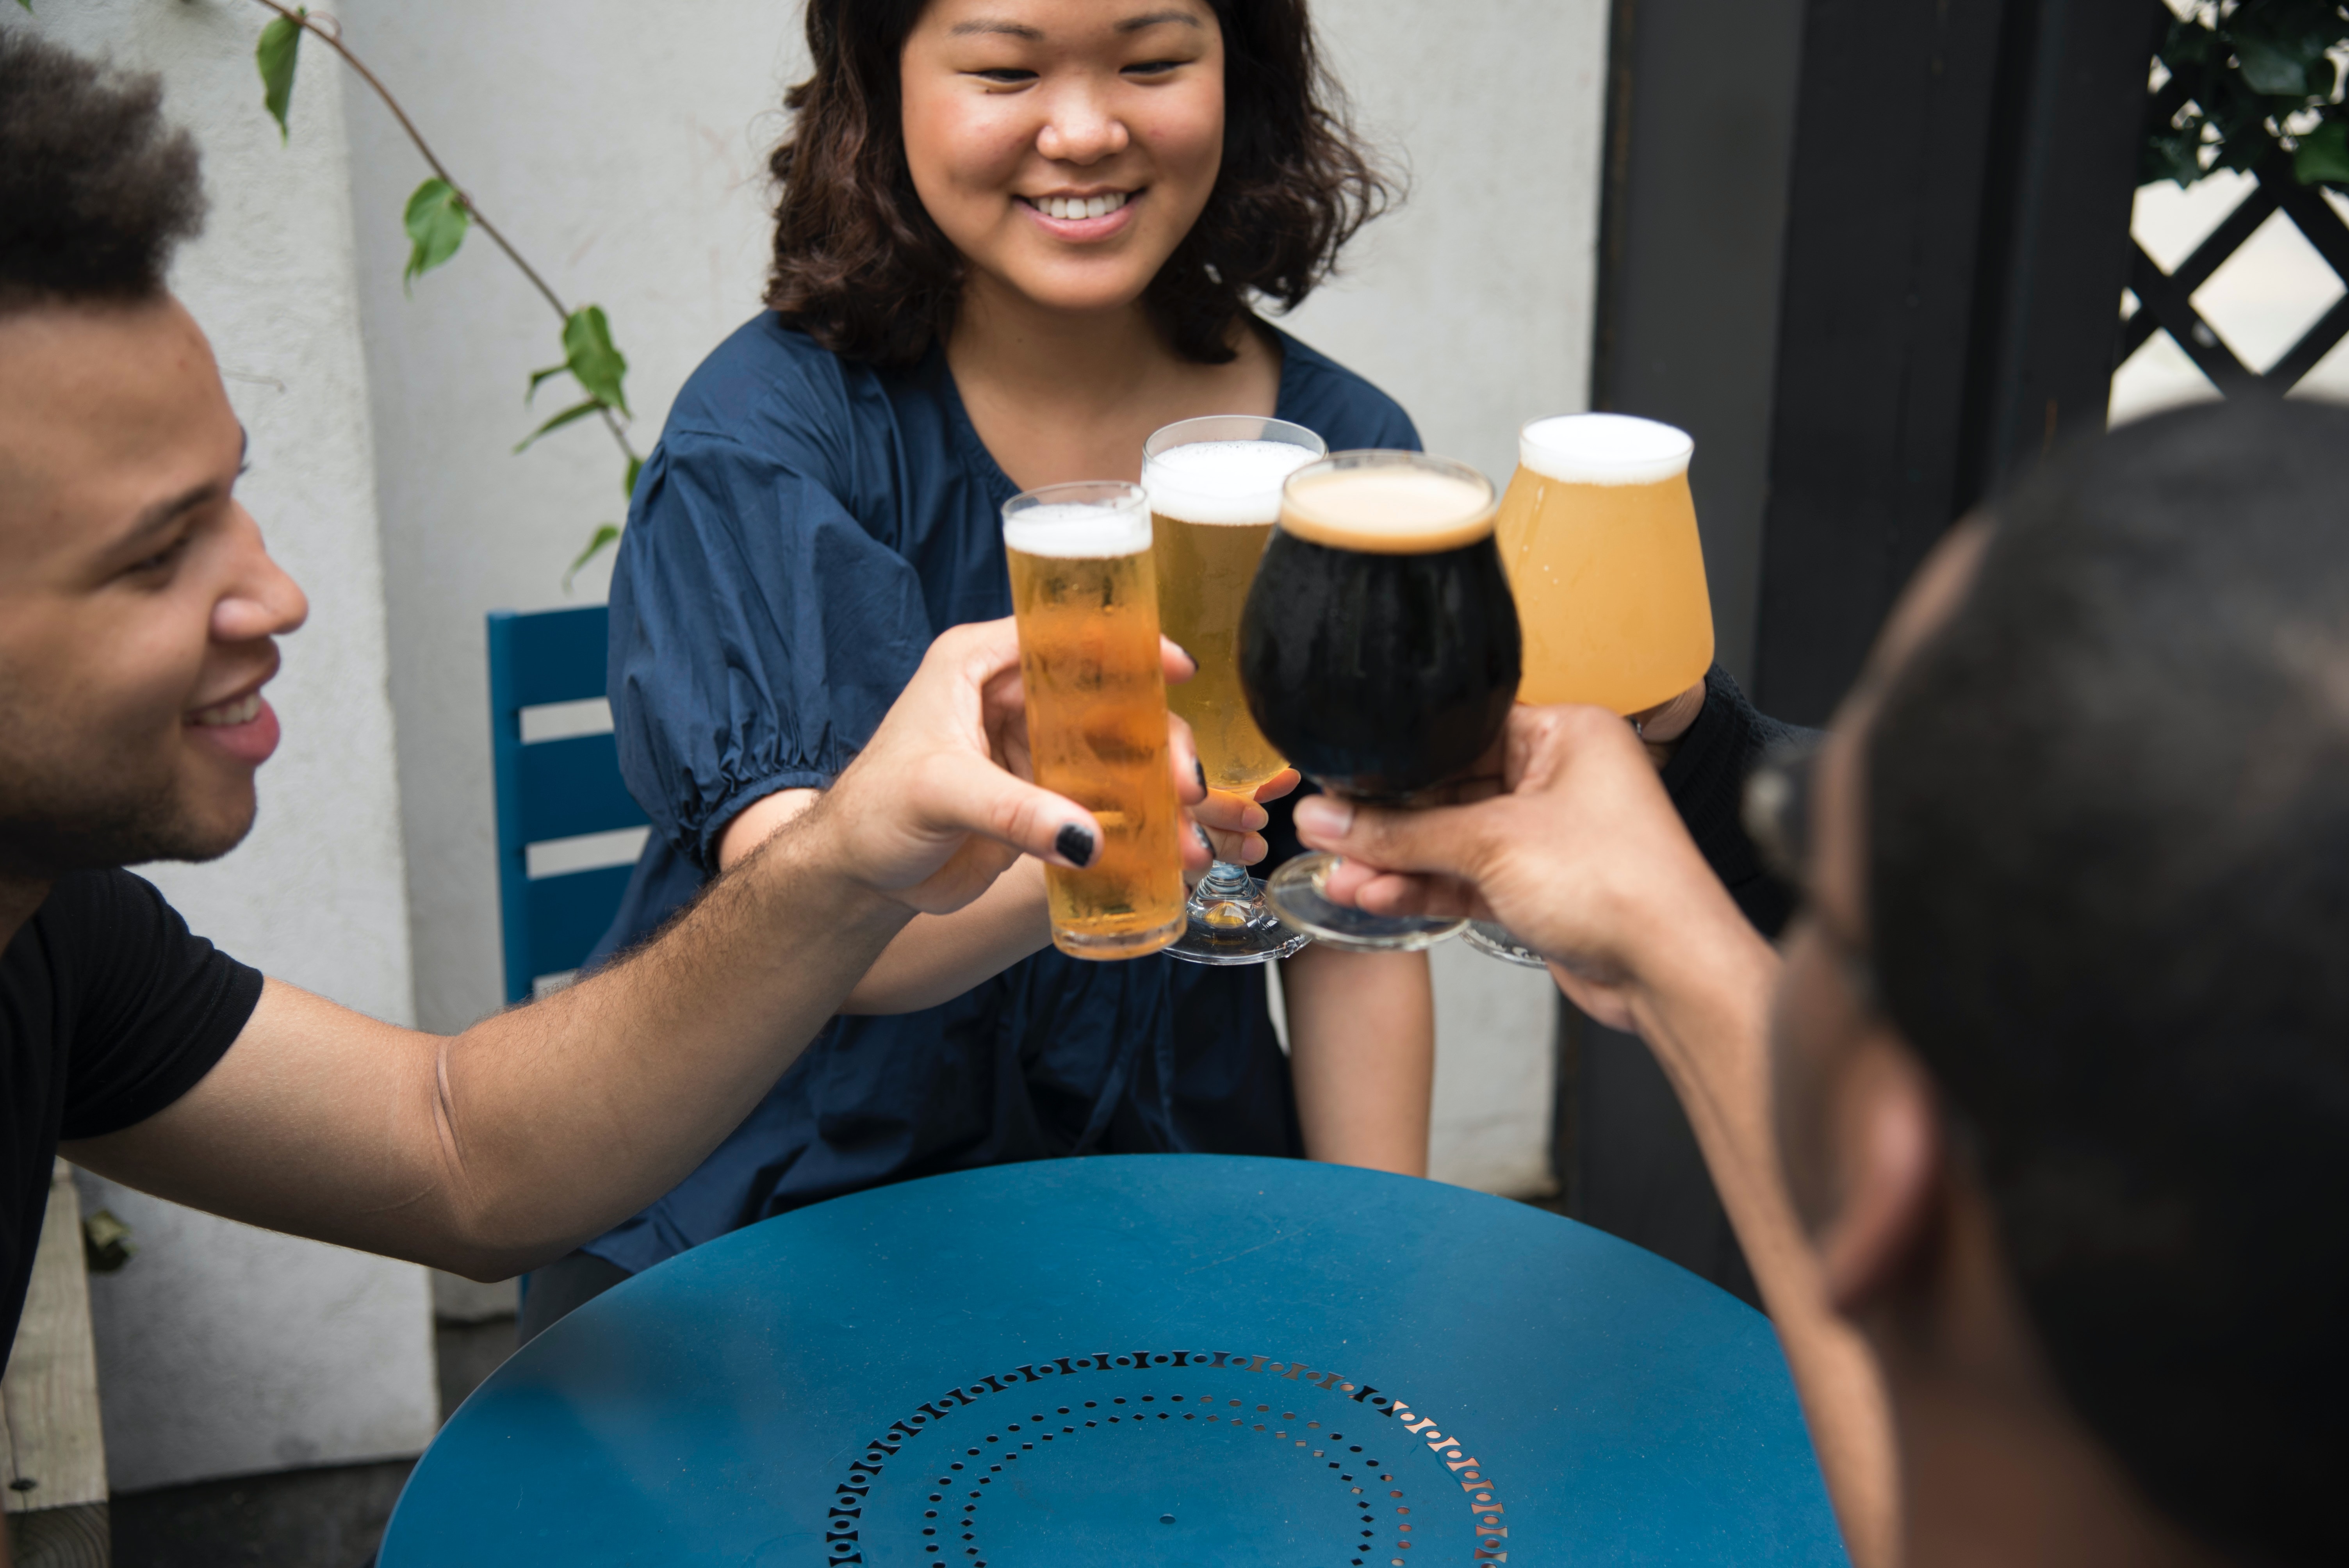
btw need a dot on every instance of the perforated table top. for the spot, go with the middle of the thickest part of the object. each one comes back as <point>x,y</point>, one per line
<point>1147,1360</point>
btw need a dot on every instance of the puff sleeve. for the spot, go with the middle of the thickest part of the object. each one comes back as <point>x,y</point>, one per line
<point>758,635</point>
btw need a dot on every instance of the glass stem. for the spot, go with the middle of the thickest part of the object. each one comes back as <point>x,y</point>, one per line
<point>1224,880</point>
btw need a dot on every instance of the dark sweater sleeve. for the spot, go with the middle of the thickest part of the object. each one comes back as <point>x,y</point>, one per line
<point>1706,780</point>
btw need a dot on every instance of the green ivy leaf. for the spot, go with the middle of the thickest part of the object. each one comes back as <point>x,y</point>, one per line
<point>2322,156</point>
<point>280,43</point>
<point>607,535</point>
<point>628,485</point>
<point>27,5</point>
<point>437,219</point>
<point>572,415</point>
<point>590,357</point>
<point>539,376</point>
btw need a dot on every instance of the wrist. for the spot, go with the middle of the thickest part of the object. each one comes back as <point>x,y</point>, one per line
<point>811,860</point>
<point>1701,981</point>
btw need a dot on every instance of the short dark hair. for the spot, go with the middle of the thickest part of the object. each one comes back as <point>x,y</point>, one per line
<point>97,189</point>
<point>861,267</point>
<point>2108,883</point>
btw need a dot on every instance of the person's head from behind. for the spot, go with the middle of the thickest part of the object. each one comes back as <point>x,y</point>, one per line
<point>1186,156</point>
<point>2063,1041</point>
<point>137,605</point>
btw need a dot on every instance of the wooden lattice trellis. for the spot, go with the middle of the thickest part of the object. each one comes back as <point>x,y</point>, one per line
<point>2164,299</point>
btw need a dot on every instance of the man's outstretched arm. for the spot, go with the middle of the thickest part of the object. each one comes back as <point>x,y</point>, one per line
<point>492,1150</point>
<point>1585,860</point>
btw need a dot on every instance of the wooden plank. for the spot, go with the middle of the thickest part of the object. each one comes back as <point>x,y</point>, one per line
<point>55,1450</point>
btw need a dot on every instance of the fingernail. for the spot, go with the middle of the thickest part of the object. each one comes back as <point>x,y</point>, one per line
<point>1199,770</point>
<point>1074,844</point>
<point>1205,842</point>
<point>1187,658</point>
<point>1324,814</point>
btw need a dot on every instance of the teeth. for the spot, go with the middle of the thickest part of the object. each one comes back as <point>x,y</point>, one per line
<point>1072,207</point>
<point>230,713</point>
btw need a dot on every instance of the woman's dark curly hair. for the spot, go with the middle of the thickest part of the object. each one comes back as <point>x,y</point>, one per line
<point>861,268</point>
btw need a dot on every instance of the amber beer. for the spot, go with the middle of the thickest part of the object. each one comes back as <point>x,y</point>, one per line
<point>1598,534</point>
<point>1215,492</point>
<point>1087,605</point>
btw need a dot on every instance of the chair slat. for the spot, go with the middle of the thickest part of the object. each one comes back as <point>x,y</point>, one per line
<point>554,656</point>
<point>573,786</point>
<point>570,914</point>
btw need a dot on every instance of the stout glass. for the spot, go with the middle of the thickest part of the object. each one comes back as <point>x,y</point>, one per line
<point>1096,692</point>
<point>1378,651</point>
<point>1215,490</point>
<point>1598,533</point>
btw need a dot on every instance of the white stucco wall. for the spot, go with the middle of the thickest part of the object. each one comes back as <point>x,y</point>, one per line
<point>629,161</point>
<point>225,1349</point>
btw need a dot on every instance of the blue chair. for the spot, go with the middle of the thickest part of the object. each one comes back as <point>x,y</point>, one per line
<point>550,790</point>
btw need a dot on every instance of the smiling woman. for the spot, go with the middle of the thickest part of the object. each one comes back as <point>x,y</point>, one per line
<point>1260,180</point>
<point>1013,238</point>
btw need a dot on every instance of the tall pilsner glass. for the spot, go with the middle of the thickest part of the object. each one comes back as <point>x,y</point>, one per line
<point>1087,606</point>
<point>1214,492</point>
<point>1598,533</point>
<point>1379,652</point>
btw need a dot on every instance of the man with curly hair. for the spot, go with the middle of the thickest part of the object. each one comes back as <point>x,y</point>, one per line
<point>139,619</point>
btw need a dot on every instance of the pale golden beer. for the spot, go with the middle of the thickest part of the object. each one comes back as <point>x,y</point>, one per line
<point>1087,605</point>
<point>1598,534</point>
<point>1214,492</point>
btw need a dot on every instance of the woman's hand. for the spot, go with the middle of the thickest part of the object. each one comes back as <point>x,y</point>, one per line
<point>1661,726</point>
<point>1235,822</point>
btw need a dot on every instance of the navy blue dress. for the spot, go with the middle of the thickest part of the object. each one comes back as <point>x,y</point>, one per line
<point>806,526</point>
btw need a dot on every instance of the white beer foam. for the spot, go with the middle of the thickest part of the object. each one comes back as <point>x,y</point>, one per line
<point>1605,450</point>
<point>1222,482</point>
<point>1078,532</point>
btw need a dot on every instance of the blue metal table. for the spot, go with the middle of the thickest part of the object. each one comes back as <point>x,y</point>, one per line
<point>1137,1360</point>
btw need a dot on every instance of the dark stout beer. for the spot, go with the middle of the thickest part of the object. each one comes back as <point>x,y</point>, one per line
<point>1380,648</point>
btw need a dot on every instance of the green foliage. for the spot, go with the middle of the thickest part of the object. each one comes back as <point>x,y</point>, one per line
<point>606,536</point>
<point>2250,79</point>
<point>628,485</point>
<point>27,5</point>
<point>281,45</point>
<point>437,220</point>
<point>590,359</point>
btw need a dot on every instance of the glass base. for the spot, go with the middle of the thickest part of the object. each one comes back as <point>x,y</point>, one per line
<point>1230,922</point>
<point>1112,945</point>
<point>1295,892</point>
<point>1494,941</point>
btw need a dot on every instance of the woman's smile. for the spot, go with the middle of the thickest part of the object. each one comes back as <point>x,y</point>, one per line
<point>1080,217</point>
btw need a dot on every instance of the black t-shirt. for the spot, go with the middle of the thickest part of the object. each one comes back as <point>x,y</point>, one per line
<point>109,1010</point>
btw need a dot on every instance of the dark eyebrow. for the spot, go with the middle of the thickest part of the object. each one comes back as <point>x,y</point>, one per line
<point>1157,18</point>
<point>1020,30</point>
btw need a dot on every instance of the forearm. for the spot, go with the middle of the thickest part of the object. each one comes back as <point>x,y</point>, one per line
<point>938,957</point>
<point>1706,1018</point>
<point>1361,1045</point>
<point>498,1149</point>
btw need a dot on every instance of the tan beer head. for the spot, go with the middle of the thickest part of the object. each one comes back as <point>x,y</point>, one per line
<point>1388,503</point>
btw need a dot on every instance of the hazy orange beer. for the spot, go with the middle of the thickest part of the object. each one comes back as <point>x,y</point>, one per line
<point>1598,535</point>
<point>1087,605</point>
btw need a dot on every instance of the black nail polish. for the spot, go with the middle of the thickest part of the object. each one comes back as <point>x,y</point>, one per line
<point>1199,770</point>
<point>1075,845</point>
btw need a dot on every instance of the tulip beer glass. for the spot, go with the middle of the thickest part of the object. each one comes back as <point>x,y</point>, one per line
<point>1214,492</point>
